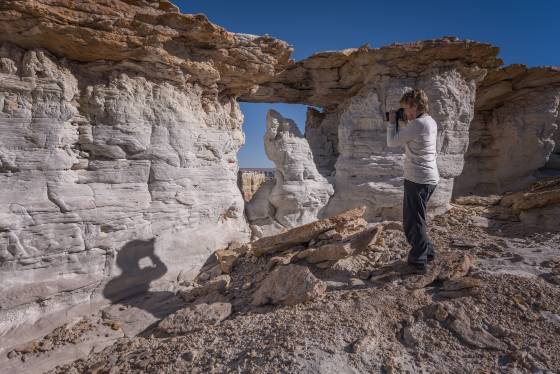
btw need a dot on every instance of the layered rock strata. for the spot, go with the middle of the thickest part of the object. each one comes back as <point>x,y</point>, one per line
<point>501,122</point>
<point>538,206</point>
<point>514,132</point>
<point>119,133</point>
<point>149,37</point>
<point>119,130</point>
<point>250,181</point>
<point>355,87</point>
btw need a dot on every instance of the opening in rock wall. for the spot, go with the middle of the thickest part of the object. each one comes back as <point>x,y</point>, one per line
<point>252,154</point>
<point>289,190</point>
<point>255,167</point>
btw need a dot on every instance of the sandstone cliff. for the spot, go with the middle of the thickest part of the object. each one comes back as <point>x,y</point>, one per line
<point>119,133</point>
<point>514,132</point>
<point>250,181</point>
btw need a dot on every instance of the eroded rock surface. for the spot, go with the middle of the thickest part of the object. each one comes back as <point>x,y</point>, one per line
<point>148,37</point>
<point>514,132</point>
<point>494,119</point>
<point>355,87</point>
<point>190,319</point>
<point>538,206</point>
<point>368,172</point>
<point>250,181</point>
<point>119,133</point>
<point>298,192</point>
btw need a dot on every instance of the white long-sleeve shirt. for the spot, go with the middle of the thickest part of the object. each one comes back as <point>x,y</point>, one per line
<point>419,139</point>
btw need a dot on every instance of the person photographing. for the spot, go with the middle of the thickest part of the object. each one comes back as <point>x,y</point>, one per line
<point>421,174</point>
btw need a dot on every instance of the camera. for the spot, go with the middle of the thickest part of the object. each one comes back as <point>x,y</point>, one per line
<point>399,115</point>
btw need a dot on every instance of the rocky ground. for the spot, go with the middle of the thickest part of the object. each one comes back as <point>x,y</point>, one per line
<point>335,296</point>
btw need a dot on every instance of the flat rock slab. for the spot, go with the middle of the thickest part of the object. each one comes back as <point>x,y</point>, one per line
<point>302,234</point>
<point>337,251</point>
<point>289,285</point>
<point>478,200</point>
<point>137,314</point>
<point>35,357</point>
<point>524,258</point>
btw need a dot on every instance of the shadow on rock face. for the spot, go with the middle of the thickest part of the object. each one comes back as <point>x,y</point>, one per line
<point>140,266</point>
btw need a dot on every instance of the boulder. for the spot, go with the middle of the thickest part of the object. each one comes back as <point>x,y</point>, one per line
<point>289,285</point>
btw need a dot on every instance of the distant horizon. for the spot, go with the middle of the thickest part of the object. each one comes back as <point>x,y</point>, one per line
<point>243,168</point>
<point>525,33</point>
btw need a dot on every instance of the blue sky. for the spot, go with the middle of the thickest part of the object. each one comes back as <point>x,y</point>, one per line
<point>526,31</point>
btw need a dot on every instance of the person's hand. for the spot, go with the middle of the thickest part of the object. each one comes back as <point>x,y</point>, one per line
<point>392,116</point>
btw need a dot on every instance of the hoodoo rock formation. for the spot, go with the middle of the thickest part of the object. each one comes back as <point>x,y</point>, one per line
<point>298,192</point>
<point>119,132</point>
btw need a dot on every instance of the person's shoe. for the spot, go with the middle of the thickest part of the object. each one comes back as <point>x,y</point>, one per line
<point>431,257</point>
<point>418,268</point>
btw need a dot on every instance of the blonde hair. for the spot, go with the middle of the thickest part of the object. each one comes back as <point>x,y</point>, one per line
<point>416,97</point>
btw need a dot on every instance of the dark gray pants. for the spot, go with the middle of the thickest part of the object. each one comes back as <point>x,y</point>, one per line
<point>415,200</point>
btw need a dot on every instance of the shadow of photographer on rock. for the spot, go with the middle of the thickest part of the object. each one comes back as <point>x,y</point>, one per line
<point>140,266</point>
